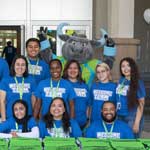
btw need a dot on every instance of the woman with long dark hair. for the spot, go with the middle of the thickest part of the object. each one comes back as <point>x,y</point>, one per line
<point>72,73</point>
<point>17,86</point>
<point>130,95</point>
<point>57,123</point>
<point>21,124</point>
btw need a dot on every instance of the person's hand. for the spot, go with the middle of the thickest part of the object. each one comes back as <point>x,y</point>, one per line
<point>42,34</point>
<point>135,127</point>
<point>14,134</point>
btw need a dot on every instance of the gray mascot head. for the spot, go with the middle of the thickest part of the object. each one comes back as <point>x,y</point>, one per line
<point>77,46</point>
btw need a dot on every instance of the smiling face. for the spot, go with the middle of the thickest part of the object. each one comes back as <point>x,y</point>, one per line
<point>73,71</point>
<point>57,109</point>
<point>102,74</point>
<point>126,69</point>
<point>108,112</point>
<point>33,49</point>
<point>19,111</point>
<point>55,70</point>
<point>20,67</point>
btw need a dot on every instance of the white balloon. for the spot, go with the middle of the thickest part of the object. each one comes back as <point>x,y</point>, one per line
<point>147,15</point>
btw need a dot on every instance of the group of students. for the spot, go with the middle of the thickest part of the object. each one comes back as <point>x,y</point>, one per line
<point>39,99</point>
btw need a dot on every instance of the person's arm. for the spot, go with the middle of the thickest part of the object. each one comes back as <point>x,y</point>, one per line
<point>2,105</point>
<point>139,114</point>
<point>88,112</point>
<point>3,52</point>
<point>36,109</point>
<point>71,105</point>
<point>5,135</point>
<point>33,134</point>
<point>33,100</point>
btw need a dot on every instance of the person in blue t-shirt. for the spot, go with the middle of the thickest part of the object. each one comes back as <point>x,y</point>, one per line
<point>72,72</point>
<point>103,89</point>
<point>38,68</point>
<point>4,69</point>
<point>17,86</point>
<point>109,126</point>
<point>52,87</point>
<point>57,123</point>
<point>130,94</point>
<point>20,124</point>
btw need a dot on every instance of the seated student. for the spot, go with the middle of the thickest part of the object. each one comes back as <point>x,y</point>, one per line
<point>109,126</point>
<point>56,123</point>
<point>21,124</point>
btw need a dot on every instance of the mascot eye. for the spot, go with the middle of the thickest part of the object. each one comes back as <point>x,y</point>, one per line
<point>84,44</point>
<point>73,42</point>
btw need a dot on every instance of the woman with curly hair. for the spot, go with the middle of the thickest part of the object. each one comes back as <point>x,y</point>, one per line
<point>57,123</point>
<point>130,95</point>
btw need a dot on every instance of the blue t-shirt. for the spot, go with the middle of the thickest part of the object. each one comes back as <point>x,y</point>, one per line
<point>11,125</point>
<point>45,92</point>
<point>39,71</point>
<point>57,131</point>
<point>121,95</point>
<point>82,101</point>
<point>101,92</point>
<point>4,69</point>
<point>9,85</point>
<point>120,130</point>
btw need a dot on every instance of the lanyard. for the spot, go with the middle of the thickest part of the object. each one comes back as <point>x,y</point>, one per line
<point>16,125</point>
<point>56,130</point>
<point>120,89</point>
<point>31,69</point>
<point>20,88</point>
<point>54,91</point>
<point>106,130</point>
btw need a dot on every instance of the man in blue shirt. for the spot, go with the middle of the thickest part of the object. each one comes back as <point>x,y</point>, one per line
<point>109,126</point>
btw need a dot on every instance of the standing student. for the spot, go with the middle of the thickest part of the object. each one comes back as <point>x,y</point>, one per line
<point>103,89</point>
<point>4,69</point>
<point>72,72</point>
<point>9,52</point>
<point>18,86</point>
<point>109,126</point>
<point>130,95</point>
<point>52,87</point>
<point>20,124</point>
<point>57,123</point>
<point>38,69</point>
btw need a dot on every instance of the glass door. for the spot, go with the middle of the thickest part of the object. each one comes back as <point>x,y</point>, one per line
<point>10,33</point>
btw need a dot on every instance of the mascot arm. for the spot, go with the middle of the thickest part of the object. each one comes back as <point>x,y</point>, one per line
<point>46,52</point>
<point>109,52</point>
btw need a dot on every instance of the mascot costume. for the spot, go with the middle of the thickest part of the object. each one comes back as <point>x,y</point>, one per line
<point>80,48</point>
